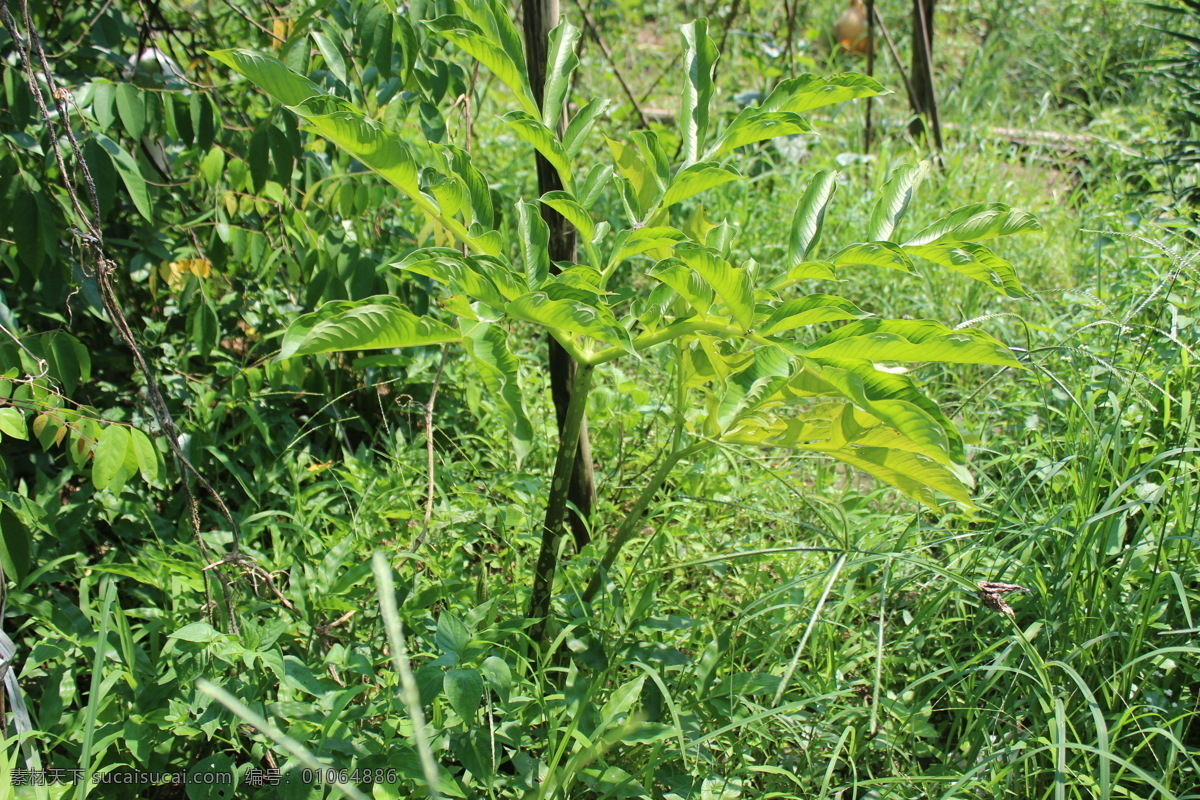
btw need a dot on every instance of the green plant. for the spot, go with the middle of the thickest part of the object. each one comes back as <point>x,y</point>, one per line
<point>657,282</point>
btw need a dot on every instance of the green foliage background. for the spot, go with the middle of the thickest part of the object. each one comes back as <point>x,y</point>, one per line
<point>778,627</point>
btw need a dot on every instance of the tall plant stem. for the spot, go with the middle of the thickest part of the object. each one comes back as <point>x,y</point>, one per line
<point>634,517</point>
<point>556,505</point>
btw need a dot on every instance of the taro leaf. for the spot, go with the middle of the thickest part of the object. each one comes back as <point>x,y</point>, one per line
<point>487,346</point>
<point>699,59</point>
<point>911,341</point>
<point>810,216</point>
<point>975,261</point>
<point>372,324</point>
<point>974,222</point>
<point>697,178</point>
<point>464,690</point>
<point>894,199</point>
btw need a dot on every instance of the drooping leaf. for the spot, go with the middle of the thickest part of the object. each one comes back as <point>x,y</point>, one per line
<point>873,254</point>
<point>975,222</point>
<point>15,545</point>
<point>571,317</point>
<point>132,110</point>
<point>372,324</point>
<point>806,92</point>
<point>269,74</point>
<point>487,346</point>
<point>642,176</point>
<point>561,61</point>
<point>532,131</point>
<point>808,310</point>
<point>732,284</point>
<point>810,216</point>
<point>131,176</point>
<point>695,179</point>
<point>332,55</point>
<point>911,341</point>
<point>893,201</point>
<point>975,261</point>
<point>470,38</point>
<point>756,125</point>
<point>699,59</point>
<point>577,215</point>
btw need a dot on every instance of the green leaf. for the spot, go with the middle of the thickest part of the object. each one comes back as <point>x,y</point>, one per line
<point>372,324</point>
<point>498,676</point>
<point>561,61</point>
<point>810,216</point>
<point>487,346</point>
<point>452,635</point>
<point>15,545</point>
<point>146,454</point>
<point>911,341</point>
<point>893,201</point>
<point>12,423</point>
<point>131,176</point>
<point>697,178</point>
<point>979,221</point>
<point>534,238</point>
<point>464,690</point>
<point>806,92</point>
<point>756,125</point>
<point>699,60</point>
<point>641,176</point>
<point>199,632</point>
<point>270,74</point>
<point>469,38</point>
<point>132,109</point>
<point>642,240</point>
<point>581,124</point>
<point>577,215</point>
<point>532,131</point>
<point>916,475</point>
<point>573,317</point>
<point>809,310</point>
<point>873,254</point>
<point>730,283</point>
<point>975,261</point>
<point>113,460</point>
<point>332,55</point>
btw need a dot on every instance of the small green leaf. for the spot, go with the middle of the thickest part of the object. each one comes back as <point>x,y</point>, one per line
<point>452,635</point>
<point>806,92</point>
<point>532,131</point>
<point>534,239</point>
<point>570,316</point>
<point>756,125</point>
<point>132,109</point>
<point>583,121</point>
<point>643,240</point>
<point>147,455</point>
<point>12,423</point>
<point>975,261</point>
<point>131,176</point>
<point>695,179</point>
<point>113,460</point>
<point>873,254</point>
<point>810,216</point>
<point>15,545</point>
<point>809,310</point>
<point>200,632</point>
<point>487,346</point>
<point>468,37</point>
<point>332,55</point>
<point>499,677</point>
<point>730,283</point>
<point>893,200</point>
<point>464,690</point>
<point>699,59</point>
<point>372,324</point>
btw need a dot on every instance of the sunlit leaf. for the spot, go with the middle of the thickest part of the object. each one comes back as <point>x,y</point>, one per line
<point>979,221</point>
<point>894,198</point>
<point>911,341</point>
<point>372,324</point>
<point>975,261</point>
<point>695,179</point>
<point>699,59</point>
<point>810,216</point>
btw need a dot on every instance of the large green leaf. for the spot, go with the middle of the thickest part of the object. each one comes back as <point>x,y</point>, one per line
<point>893,200</point>
<point>487,346</point>
<point>270,74</point>
<point>695,179</point>
<point>975,261</point>
<point>806,92</point>
<point>873,254</point>
<point>808,310</point>
<point>642,176</point>
<point>531,130</point>
<point>756,125</point>
<point>731,284</point>
<point>470,38</point>
<point>534,239</point>
<point>979,221</point>
<point>810,216</point>
<point>911,341</point>
<point>699,59</point>
<point>114,460</point>
<point>643,240</point>
<point>571,317</point>
<point>577,215</point>
<point>561,61</point>
<point>373,324</point>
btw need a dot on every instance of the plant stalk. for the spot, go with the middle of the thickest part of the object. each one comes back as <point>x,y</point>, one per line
<point>634,517</point>
<point>556,504</point>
